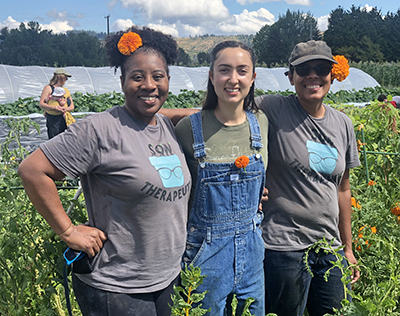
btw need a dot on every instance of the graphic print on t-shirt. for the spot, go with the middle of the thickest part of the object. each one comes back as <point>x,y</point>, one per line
<point>169,169</point>
<point>322,158</point>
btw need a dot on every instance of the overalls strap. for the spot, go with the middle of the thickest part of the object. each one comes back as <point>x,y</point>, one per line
<point>197,129</point>
<point>255,134</point>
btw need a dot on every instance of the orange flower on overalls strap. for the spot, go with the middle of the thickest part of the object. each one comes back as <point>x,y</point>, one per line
<point>340,71</point>
<point>242,162</point>
<point>129,42</point>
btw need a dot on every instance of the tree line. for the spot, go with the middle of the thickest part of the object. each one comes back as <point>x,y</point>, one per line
<point>358,34</point>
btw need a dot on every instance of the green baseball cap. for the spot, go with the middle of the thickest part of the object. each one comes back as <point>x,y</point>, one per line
<point>310,50</point>
<point>62,71</point>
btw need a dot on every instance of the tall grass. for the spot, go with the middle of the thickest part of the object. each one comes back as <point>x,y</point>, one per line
<point>387,74</point>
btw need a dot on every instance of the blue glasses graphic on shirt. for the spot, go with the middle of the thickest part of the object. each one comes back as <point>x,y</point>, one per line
<point>169,169</point>
<point>322,158</point>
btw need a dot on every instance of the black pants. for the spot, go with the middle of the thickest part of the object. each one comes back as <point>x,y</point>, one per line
<point>95,302</point>
<point>55,125</point>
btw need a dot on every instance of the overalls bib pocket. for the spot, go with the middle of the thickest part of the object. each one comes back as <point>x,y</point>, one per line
<point>216,205</point>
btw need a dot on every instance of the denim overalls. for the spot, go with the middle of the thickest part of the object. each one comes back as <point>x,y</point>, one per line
<point>224,234</point>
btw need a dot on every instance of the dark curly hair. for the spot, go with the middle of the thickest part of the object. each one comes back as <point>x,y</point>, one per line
<point>153,42</point>
<point>211,99</point>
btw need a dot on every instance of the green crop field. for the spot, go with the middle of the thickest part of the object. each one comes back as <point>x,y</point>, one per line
<point>31,254</point>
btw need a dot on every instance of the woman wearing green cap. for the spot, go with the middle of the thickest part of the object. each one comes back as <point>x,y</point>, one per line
<point>312,147</point>
<point>55,121</point>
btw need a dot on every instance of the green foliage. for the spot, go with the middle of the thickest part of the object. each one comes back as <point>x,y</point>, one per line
<point>387,74</point>
<point>274,43</point>
<point>203,58</point>
<point>364,35</point>
<point>31,262</point>
<point>92,102</point>
<point>30,45</point>
<point>184,297</point>
<point>31,254</point>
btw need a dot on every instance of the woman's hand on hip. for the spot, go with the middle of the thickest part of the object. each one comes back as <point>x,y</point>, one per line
<point>85,238</point>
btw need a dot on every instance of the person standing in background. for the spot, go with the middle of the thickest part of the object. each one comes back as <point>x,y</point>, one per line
<point>55,120</point>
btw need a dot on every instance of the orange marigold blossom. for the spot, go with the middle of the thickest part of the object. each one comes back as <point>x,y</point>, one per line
<point>396,210</point>
<point>242,162</point>
<point>129,42</point>
<point>355,204</point>
<point>370,182</point>
<point>340,71</point>
<point>373,229</point>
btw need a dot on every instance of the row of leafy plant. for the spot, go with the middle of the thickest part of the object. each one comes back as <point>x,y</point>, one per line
<point>31,258</point>
<point>99,102</point>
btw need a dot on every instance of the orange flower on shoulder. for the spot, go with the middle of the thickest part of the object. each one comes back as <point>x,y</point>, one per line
<point>242,162</point>
<point>340,71</point>
<point>129,42</point>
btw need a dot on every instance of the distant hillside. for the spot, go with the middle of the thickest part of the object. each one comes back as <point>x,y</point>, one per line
<point>205,43</point>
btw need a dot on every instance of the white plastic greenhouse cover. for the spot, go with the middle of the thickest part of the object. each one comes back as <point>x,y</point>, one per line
<point>28,81</point>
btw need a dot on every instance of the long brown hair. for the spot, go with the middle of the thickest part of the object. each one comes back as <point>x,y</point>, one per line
<point>211,99</point>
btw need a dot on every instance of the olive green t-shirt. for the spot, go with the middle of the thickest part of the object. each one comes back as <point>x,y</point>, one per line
<point>223,143</point>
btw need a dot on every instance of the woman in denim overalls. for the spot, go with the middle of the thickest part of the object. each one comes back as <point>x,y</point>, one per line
<point>224,236</point>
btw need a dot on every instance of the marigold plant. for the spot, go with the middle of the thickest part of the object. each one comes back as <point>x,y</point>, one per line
<point>129,42</point>
<point>340,71</point>
<point>370,182</point>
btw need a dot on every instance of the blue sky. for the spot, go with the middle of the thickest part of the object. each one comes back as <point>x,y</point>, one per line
<point>180,18</point>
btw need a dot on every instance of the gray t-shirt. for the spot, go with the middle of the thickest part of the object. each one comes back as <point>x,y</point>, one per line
<point>307,159</point>
<point>136,185</point>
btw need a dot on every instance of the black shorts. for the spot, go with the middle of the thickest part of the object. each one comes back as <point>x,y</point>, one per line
<point>55,125</point>
<point>96,302</point>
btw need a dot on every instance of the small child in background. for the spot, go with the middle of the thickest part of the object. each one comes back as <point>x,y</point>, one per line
<point>59,97</point>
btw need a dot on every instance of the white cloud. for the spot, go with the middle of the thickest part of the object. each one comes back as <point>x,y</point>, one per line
<point>57,27</point>
<point>10,23</point>
<point>58,15</point>
<point>293,2</point>
<point>192,30</point>
<point>323,22</point>
<point>367,7</point>
<point>167,29</point>
<point>187,12</point>
<point>247,22</point>
<point>121,25</point>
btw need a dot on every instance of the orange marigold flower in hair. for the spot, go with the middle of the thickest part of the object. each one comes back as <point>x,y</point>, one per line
<point>129,42</point>
<point>340,71</point>
<point>370,182</point>
<point>396,210</point>
<point>242,162</point>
